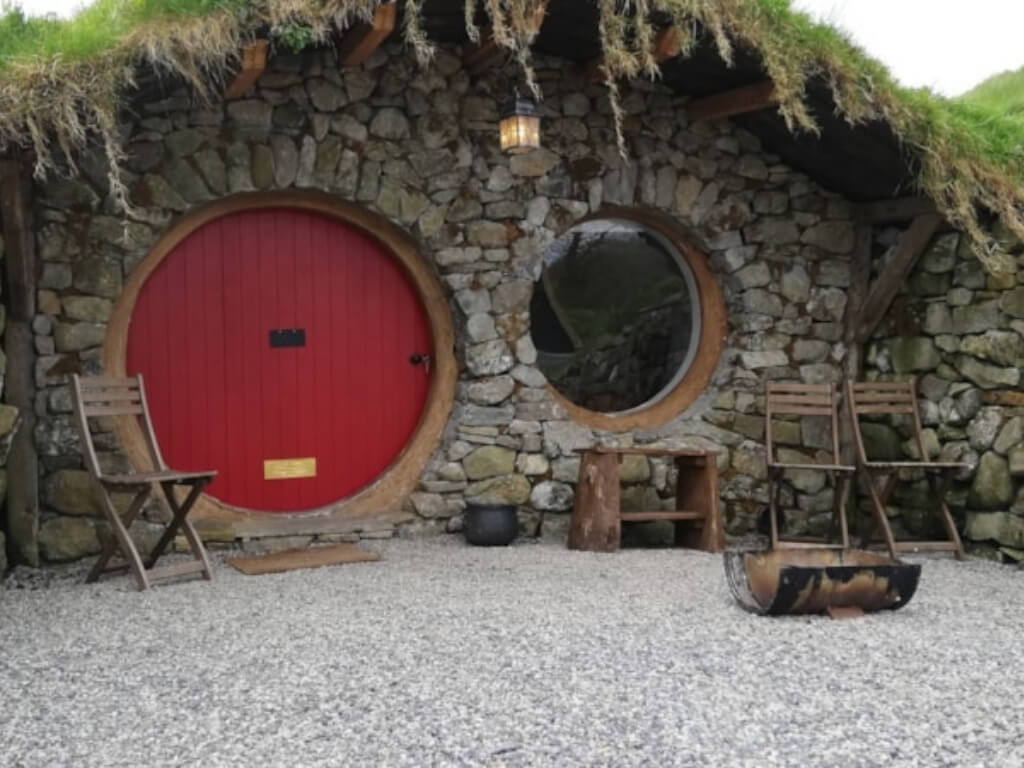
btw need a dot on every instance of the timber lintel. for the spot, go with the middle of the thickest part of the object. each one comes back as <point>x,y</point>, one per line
<point>912,244</point>
<point>363,38</point>
<point>738,101</point>
<point>254,61</point>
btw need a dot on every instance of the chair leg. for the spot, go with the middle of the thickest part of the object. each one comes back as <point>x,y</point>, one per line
<point>179,520</point>
<point>773,518</point>
<point>881,519</point>
<point>938,488</point>
<point>119,537</point>
<point>842,484</point>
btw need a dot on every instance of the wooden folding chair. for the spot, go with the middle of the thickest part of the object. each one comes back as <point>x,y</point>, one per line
<point>126,398</point>
<point>880,477</point>
<point>800,399</point>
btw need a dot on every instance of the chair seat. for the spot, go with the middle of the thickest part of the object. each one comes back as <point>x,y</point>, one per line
<point>926,465</point>
<point>831,467</point>
<point>163,476</point>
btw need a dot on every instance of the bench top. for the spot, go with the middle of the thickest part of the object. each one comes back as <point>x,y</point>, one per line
<point>647,450</point>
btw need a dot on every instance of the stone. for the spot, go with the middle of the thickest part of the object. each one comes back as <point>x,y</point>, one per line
<point>749,459</point>
<point>551,496</point>
<point>71,337</point>
<point>941,255</point>
<point>1007,529</point>
<point>251,115</point>
<point>1016,461</point>
<point>535,163</point>
<point>532,464</point>
<point>429,505</point>
<point>99,275</point>
<point>489,358</point>
<point>160,193</point>
<point>473,300</point>
<point>687,192</point>
<point>526,352</point>
<point>325,95</point>
<point>359,83</point>
<point>55,276</point>
<point>211,167</point>
<point>490,391</point>
<point>1012,302</point>
<point>761,302</point>
<point>982,430</point>
<point>70,193</point>
<point>389,123</point>
<point>480,327</point>
<point>285,160</point>
<point>910,354</point>
<point>764,359</point>
<point>1001,347</point>
<point>796,284</point>
<point>937,319</point>
<point>505,489</point>
<point>528,375</point>
<point>634,469</point>
<point>511,296</point>
<point>1010,436</point>
<point>992,487</point>
<point>976,318</point>
<point>928,284</point>
<point>808,350</point>
<point>987,376</point>
<point>831,236</point>
<point>752,166</point>
<point>486,416</point>
<point>755,275</point>
<point>487,234</point>
<point>68,538</point>
<point>772,230</point>
<point>881,442</point>
<point>88,308</point>
<point>564,438</point>
<point>186,181</point>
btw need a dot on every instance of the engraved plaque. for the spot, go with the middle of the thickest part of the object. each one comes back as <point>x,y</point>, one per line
<point>284,469</point>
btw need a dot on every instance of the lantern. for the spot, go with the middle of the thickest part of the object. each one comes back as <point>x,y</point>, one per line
<point>519,126</point>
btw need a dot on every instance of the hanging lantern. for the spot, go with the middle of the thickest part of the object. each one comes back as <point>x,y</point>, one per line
<point>519,126</point>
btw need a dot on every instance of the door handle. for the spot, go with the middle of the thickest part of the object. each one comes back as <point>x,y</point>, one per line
<point>420,359</point>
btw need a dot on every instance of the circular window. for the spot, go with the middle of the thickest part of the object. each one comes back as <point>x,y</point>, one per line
<point>621,322</point>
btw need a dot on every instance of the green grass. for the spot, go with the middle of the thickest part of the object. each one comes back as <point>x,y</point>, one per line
<point>96,29</point>
<point>1003,93</point>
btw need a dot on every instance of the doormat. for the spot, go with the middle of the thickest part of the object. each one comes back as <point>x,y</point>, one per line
<point>294,559</point>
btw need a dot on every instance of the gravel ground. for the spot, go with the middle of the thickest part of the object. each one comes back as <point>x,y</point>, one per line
<point>444,654</point>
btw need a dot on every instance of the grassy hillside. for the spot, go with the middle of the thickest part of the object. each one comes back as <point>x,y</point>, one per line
<point>1003,92</point>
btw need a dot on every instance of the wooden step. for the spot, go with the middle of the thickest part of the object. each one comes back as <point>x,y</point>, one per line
<point>925,546</point>
<point>673,514</point>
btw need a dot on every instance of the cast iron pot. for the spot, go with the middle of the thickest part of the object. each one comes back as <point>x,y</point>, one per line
<point>491,525</point>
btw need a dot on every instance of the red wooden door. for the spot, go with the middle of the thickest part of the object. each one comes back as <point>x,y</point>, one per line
<point>290,423</point>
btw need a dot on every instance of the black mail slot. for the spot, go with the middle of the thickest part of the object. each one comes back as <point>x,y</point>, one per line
<point>288,337</point>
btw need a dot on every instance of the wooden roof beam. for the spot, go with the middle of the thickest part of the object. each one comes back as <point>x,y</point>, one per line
<point>254,61</point>
<point>667,45</point>
<point>482,55</point>
<point>888,284</point>
<point>738,101</point>
<point>362,38</point>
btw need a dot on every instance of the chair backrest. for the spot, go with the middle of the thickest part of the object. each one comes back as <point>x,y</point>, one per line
<point>101,396</point>
<point>883,397</point>
<point>795,398</point>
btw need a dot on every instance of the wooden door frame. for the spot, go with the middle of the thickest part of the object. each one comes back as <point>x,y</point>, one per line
<point>381,500</point>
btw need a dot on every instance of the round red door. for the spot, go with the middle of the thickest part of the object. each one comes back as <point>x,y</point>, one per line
<point>285,349</point>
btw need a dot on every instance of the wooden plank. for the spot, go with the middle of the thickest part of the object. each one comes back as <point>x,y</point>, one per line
<point>19,346</point>
<point>480,56</point>
<point>897,210</point>
<point>891,280</point>
<point>1003,397</point>
<point>177,569</point>
<point>595,524</point>
<point>254,61</point>
<point>363,38</point>
<point>649,450</point>
<point>739,101</point>
<point>294,559</point>
<point>797,386</point>
<point>642,517</point>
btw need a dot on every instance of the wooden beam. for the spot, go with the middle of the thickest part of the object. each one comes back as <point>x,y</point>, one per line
<point>667,45</point>
<point>19,345</point>
<point>853,365</point>
<point>364,38</point>
<point>888,284</point>
<point>738,101</point>
<point>254,61</point>
<point>896,210</point>
<point>484,54</point>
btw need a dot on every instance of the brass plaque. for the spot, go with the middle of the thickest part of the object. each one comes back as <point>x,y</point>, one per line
<point>284,469</point>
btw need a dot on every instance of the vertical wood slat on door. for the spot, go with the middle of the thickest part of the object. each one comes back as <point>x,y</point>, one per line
<point>225,400</point>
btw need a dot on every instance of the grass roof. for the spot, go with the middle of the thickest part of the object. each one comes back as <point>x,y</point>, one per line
<point>62,81</point>
<point>1003,92</point>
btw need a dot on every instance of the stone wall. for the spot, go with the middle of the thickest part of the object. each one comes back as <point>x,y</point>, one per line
<point>962,332</point>
<point>421,148</point>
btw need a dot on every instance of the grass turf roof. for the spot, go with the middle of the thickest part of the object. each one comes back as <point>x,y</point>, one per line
<point>62,82</point>
<point>1003,92</point>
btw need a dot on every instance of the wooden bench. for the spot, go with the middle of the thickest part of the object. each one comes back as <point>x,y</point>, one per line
<point>597,515</point>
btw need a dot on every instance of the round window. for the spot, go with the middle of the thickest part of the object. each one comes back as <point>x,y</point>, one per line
<point>616,316</point>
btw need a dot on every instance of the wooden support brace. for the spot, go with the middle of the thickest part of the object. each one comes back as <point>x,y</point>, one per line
<point>738,101</point>
<point>254,61</point>
<point>667,45</point>
<point>484,54</point>
<point>889,282</point>
<point>362,39</point>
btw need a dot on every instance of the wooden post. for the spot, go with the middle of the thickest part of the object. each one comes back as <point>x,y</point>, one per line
<point>254,61</point>
<point>595,525</point>
<point>364,38</point>
<point>20,268</point>
<point>738,101</point>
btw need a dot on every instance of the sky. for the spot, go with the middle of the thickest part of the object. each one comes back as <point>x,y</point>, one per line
<point>947,45</point>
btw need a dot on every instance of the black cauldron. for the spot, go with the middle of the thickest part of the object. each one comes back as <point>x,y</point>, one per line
<point>491,525</point>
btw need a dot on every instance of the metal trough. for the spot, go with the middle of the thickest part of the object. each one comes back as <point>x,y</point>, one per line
<point>785,581</point>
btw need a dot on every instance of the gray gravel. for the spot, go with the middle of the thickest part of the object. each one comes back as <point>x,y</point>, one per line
<point>449,655</point>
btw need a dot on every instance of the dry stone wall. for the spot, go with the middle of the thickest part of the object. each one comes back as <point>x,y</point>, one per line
<point>421,148</point>
<point>961,332</point>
